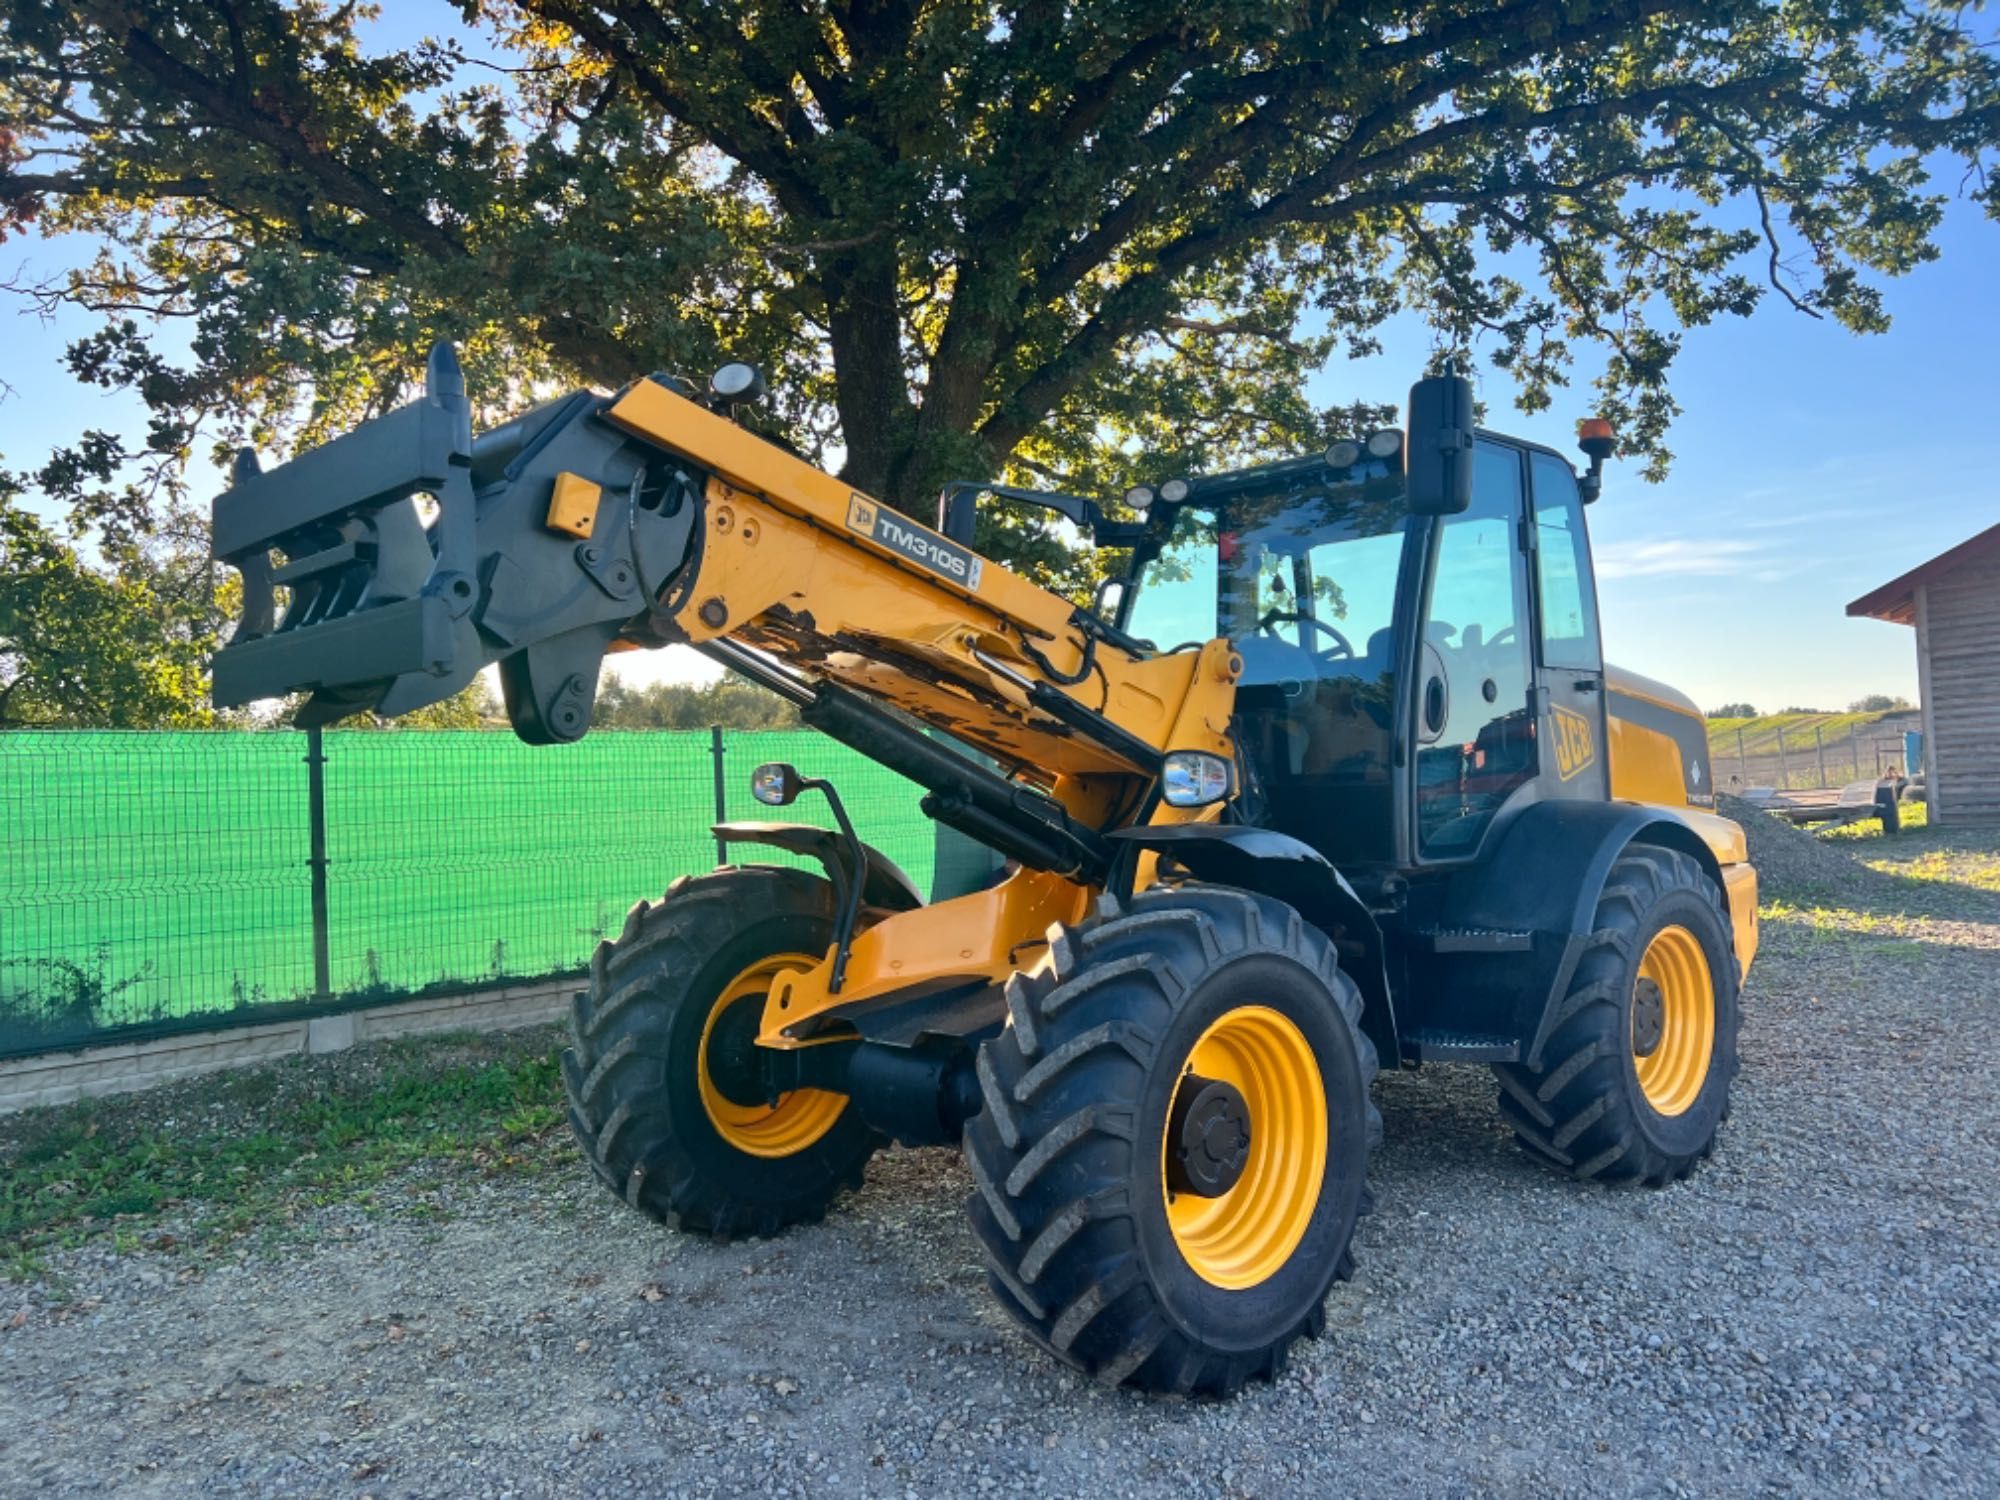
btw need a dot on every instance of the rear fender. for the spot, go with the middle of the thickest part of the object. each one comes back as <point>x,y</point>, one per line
<point>1278,865</point>
<point>1545,878</point>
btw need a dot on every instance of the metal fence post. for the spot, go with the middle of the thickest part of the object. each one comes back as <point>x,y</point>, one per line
<point>1742,758</point>
<point>1784,770</point>
<point>1819,745</point>
<point>316,822</point>
<point>716,754</point>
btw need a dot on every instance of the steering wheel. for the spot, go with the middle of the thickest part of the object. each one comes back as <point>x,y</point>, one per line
<point>1341,647</point>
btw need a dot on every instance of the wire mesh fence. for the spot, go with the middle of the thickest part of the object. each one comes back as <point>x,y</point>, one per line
<point>1804,751</point>
<point>167,881</point>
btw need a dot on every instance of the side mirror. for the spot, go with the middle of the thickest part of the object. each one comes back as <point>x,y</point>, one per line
<point>1440,446</point>
<point>776,784</point>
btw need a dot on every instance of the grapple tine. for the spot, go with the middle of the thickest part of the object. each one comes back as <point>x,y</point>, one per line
<point>259,616</point>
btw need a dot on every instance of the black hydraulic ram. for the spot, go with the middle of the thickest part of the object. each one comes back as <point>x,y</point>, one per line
<point>1015,820</point>
<point>1004,815</point>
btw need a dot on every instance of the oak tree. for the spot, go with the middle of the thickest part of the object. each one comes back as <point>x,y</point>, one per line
<point>1028,239</point>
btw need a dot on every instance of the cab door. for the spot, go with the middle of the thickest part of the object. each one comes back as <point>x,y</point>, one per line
<point>1569,670</point>
<point>1476,733</point>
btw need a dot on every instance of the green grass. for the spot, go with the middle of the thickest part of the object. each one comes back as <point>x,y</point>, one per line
<point>1960,859</point>
<point>1762,734</point>
<point>155,876</point>
<point>1898,881</point>
<point>1826,920</point>
<point>1958,867</point>
<point>247,1154</point>
<point>1913,816</point>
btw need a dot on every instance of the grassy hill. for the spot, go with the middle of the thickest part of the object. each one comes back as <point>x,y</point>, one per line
<point>1785,749</point>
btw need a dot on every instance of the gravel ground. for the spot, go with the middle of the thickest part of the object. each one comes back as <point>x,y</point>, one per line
<point>1818,1310</point>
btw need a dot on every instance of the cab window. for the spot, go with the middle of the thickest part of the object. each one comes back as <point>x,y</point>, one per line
<point>1568,602</point>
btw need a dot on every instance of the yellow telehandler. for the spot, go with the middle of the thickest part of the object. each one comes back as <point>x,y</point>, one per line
<point>1332,772</point>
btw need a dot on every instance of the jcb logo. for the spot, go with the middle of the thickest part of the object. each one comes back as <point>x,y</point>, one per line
<point>1576,746</point>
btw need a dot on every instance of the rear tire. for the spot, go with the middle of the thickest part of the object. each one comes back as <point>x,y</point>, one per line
<point>653,1128</point>
<point>1088,1247</point>
<point>1634,1084</point>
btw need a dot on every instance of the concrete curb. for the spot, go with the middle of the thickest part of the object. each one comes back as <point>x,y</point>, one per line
<point>63,1077</point>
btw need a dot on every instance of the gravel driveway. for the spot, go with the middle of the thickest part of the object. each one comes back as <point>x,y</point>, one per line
<point>1817,1310</point>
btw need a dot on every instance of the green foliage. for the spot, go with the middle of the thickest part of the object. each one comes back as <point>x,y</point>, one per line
<point>1877,703</point>
<point>1068,244</point>
<point>120,645</point>
<point>1733,711</point>
<point>728,701</point>
<point>68,999</point>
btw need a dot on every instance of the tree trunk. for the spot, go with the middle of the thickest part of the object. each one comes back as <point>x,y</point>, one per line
<point>873,397</point>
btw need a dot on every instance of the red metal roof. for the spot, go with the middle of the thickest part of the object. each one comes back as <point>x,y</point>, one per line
<point>1896,600</point>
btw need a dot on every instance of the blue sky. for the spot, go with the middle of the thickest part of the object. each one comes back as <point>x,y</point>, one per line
<point>1812,465</point>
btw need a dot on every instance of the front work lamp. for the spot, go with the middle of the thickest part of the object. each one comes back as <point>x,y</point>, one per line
<point>1194,778</point>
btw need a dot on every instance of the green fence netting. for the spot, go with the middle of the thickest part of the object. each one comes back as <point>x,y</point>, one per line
<point>164,881</point>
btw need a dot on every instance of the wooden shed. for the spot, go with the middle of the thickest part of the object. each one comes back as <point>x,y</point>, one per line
<point>1954,602</point>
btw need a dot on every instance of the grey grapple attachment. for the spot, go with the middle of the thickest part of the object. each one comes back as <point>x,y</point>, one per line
<point>548,537</point>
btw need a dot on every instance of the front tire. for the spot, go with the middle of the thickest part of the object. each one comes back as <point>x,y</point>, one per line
<point>653,1125</point>
<point>1176,1126</point>
<point>1633,1083</point>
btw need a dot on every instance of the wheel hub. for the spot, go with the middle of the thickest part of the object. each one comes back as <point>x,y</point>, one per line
<point>1649,1017</point>
<point>732,1054</point>
<point>1208,1137</point>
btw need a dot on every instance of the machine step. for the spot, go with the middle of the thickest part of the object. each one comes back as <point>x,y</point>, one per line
<point>1475,940</point>
<point>1435,1044</point>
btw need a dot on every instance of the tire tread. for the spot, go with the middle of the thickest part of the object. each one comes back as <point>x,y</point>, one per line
<point>1576,1109</point>
<point>1056,1241</point>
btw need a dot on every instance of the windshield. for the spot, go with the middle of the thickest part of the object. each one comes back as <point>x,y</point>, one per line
<point>1311,565</point>
<point>1298,569</point>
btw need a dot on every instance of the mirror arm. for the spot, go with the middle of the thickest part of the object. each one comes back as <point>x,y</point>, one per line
<point>958,500</point>
<point>1120,533</point>
<point>849,918</point>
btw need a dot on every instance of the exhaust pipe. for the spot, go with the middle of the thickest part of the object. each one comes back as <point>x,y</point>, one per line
<point>552,535</point>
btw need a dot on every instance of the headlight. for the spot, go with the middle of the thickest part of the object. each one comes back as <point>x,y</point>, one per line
<point>1385,444</point>
<point>1343,455</point>
<point>1194,778</point>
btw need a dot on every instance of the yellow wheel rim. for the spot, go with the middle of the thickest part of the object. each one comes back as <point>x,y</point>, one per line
<point>1672,1073</point>
<point>1244,1236</point>
<point>799,1118</point>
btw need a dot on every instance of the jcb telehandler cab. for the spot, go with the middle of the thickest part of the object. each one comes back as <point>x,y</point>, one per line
<point>1335,774</point>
